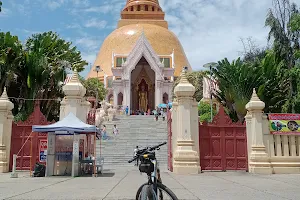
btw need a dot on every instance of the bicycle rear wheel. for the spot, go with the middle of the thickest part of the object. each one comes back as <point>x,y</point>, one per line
<point>146,192</point>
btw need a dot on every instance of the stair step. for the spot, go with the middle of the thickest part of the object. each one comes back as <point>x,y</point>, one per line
<point>133,130</point>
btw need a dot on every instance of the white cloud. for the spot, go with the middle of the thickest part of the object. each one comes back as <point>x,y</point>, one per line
<point>90,57</point>
<point>211,30</point>
<point>73,26</point>
<point>88,43</point>
<point>52,5</point>
<point>95,23</point>
<point>5,12</point>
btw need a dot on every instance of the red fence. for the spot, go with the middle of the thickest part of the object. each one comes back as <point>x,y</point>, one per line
<point>22,132</point>
<point>170,156</point>
<point>223,144</point>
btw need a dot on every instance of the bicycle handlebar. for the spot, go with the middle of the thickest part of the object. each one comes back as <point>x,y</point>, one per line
<point>145,150</point>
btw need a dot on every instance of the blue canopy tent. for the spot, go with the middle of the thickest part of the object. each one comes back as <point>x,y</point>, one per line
<point>70,125</point>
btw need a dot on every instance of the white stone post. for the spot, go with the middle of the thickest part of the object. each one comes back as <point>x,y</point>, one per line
<point>174,130</point>
<point>186,159</point>
<point>50,159</point>
<point>73,100</point>
<point>259,162</point>
<point>5,131</point>
<point>75,159</point>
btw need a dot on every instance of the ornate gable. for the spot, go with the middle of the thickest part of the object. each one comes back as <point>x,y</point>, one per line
<point>143,49</point>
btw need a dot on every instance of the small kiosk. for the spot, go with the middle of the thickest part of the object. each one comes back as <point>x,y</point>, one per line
<point>70,125</point>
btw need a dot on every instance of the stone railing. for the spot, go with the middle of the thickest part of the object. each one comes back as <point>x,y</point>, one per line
<point>283,151</point>
<point>268,153</point>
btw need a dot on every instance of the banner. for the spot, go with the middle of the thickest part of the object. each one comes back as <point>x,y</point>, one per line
<point>43,151</point>
<point>284,124</point>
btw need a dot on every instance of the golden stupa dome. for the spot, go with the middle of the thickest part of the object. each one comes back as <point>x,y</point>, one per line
<point>122,40</point>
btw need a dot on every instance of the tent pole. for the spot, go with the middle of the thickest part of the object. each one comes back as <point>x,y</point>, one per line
<point>31,156</point>
<point>95,156</point>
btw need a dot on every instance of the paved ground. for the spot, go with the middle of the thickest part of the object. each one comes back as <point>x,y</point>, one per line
<point>122,184</point>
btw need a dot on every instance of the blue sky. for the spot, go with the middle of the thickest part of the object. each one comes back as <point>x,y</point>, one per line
<point>209,30</point>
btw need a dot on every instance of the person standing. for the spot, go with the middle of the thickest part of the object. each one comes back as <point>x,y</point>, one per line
<point>104,135</point>
<point>115,131</point>
<point>126,110</point>
<point>135,154</point>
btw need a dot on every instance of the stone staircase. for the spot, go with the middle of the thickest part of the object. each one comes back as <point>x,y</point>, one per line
<point>134,131</point>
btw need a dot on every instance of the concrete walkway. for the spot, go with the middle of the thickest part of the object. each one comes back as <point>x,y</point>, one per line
<point>122,184</point>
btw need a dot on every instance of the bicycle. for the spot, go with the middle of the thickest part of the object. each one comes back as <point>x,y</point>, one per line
<point>153,189</point>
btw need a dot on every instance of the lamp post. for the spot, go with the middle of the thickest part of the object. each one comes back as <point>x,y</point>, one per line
<point>98,69</point>
<point>210,66</point>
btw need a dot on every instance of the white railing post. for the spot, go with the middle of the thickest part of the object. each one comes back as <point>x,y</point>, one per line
<point>14,174</point>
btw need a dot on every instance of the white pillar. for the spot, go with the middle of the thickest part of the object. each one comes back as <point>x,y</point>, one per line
<point>5,131</point>
<point>50,159</point>
<point>115,94</point>
<point>259,160</point>
<point>186,159</point>
<point>158,93</point>
<point>127,94</point>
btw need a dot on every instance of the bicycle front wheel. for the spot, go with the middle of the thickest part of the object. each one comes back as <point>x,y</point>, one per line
<point>146,192</point>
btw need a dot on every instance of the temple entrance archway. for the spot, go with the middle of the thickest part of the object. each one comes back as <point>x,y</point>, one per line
<point>142,87</point>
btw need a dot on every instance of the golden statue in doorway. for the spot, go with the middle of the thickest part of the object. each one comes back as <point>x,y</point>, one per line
<point>143,102</point>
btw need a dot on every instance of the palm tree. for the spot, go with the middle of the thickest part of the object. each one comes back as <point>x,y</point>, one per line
<point>285,41</point>
<point>10,57</point>
<point>236,81</point>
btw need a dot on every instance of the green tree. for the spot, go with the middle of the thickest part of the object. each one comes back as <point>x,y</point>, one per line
<point>91,85</point>
<point>204,111</point>
<point>37,70</point>
<point>274,86</point>
<point>285,43</point>
<point>196,79</point>
<point>0,6</point>
<point>11,55</point>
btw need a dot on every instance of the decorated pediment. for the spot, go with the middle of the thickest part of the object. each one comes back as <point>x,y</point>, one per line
<point>143,49</point>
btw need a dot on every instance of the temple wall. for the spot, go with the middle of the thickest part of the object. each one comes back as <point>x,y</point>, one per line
<point>269,153</point>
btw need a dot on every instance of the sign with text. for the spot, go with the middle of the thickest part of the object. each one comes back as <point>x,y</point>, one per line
<point>43,150</point>
<point>284,124</point>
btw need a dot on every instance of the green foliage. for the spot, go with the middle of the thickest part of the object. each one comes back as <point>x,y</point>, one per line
<point>0,6</point>
<point>196,79</point>
<point>36,71</point>
<point>91,85</point>
<point>274,73</point>
<point>10,57</point>
<point>204,111</point>
<point>236,81</point>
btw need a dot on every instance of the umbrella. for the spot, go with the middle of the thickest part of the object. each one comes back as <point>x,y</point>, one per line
<point>154,112</point>
<point>162,105</point>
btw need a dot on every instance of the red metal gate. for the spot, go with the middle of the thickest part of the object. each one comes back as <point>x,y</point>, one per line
<point>21,132</point>
<point>223,144</point>
<point>170,156</point>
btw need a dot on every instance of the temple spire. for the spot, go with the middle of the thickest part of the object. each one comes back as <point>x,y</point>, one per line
<point>143,9</point>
